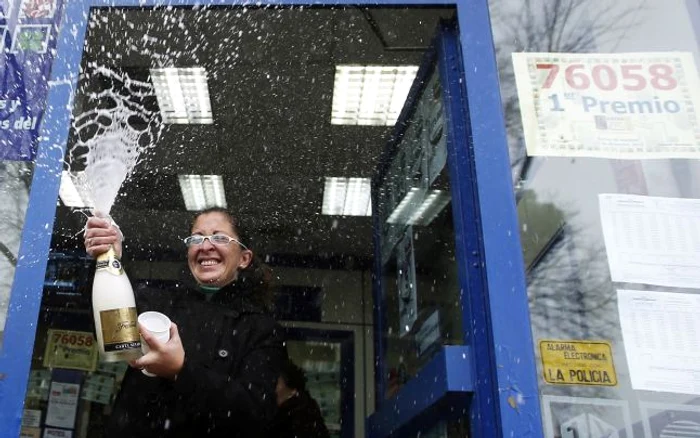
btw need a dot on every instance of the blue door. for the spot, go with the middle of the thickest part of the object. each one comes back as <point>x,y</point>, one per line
<point>452,346</point>
<point>435,365</point>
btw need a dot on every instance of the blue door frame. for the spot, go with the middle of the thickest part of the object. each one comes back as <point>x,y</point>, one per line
<point>501,374</point>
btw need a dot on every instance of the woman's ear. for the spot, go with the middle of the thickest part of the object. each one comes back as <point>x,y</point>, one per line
<point>246,258</point>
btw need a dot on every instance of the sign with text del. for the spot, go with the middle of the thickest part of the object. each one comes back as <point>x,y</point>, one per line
<point>70,349</point>
<point>622,105</point>
<point>577,362</point>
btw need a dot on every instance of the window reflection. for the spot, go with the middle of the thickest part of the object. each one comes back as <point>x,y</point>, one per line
<point>416,241</point>
<point>15,181</point>
<point>563,215</point>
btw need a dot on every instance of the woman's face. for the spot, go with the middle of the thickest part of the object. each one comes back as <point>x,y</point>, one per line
<point>216,265</point>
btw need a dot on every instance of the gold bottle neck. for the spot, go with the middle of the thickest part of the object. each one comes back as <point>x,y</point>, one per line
<point>109,262</point>
<point>106,256</point>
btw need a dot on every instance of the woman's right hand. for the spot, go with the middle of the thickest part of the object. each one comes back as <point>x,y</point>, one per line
<point>99,235</point>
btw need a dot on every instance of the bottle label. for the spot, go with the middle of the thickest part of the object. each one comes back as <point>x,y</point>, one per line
<point>109,262</point>
<point>120,329</point>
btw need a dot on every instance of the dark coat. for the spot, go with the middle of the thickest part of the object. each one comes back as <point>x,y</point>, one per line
<point>233,354</point>
<point>299,417</point>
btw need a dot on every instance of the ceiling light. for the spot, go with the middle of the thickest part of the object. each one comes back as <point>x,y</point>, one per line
<point>347,197</point>
<point>370,95</point>
<point>432,206</point>
<point>202,191</point>
<point>410,202</point>
<point>73,195</point>
<point>182,94</point>
<point>419,207</point>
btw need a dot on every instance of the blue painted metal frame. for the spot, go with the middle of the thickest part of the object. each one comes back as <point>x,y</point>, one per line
<point>391,149</point>
<point>506,390</point>
<point>468,239</point>
<point>441,387</point>
<point>505,304</point>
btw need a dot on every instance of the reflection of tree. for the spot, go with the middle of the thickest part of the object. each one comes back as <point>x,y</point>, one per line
<point>15,179</point>
<point>568,26</point>
<point>570,292</point>
<point>569,288</point>
<point>568,277</point>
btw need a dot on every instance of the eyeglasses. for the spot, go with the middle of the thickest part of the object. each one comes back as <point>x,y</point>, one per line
<point>216,239</point>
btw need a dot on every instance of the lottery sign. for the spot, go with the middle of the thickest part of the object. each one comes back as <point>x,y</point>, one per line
<point>71,350</point>
<point>634,106</point>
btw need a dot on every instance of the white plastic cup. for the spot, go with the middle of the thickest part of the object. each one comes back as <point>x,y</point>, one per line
<point>158,325</point>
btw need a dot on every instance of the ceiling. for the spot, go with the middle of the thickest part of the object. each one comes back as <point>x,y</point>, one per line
<point>271,76</point>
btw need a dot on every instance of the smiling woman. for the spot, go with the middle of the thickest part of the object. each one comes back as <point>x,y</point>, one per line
<point>225,350</point>
<point>214,257</point>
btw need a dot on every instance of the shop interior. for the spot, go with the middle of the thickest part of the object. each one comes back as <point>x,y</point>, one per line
<point>271,144</point>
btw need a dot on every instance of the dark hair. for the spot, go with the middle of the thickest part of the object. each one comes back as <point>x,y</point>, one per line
<point>233,220</point>
<point>257,275</point>
<point>293,376</point>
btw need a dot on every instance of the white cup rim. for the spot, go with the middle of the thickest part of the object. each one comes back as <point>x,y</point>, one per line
<point>145,316</point>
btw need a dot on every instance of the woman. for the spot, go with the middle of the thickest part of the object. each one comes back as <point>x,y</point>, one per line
<point>216,375</point>
<point>299,415</point>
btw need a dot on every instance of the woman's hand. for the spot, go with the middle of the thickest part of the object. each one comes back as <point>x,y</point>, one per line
<point>99,235</point>
<point>165,359</point>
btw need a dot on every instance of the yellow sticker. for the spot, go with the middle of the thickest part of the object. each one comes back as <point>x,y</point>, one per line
<point>70,349</point>
<point>578,362</point>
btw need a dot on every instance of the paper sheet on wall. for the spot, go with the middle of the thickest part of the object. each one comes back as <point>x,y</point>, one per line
<point>652,240</point>
<point>621,105</point>
<point>662,340</point>
<point>63,405</point>
<point>50,432</point>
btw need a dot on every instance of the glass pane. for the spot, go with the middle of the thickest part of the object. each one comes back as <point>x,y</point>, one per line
<point>321,363</point>
<point>238,107</point>
<point>609,208</point>
<point>417,243</point>
<point>28,33</point>
<point>15,181</point>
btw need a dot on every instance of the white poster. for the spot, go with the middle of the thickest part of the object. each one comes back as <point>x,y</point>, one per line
<point>661,331</point>
<point>652,240</point>
<point>63,404</point>
<point>578,417</point>
<point>57,433</point>
<point>666,420</point>
<point>31,418</point>
<point>621,105</point>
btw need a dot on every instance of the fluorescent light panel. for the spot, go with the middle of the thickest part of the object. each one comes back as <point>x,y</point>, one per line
<point>183,95</point>
<point>408,204</point>
<point>432,206</point>
<point>347,197</point>
<point>72,195</point>
<point>202,191</point>
<point>370,95</point>
<point>419,207</point>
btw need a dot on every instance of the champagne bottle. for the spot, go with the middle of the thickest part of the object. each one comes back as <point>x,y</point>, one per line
<point>114,310</point>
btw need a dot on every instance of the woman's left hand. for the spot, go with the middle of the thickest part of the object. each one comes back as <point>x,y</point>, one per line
<point>165,359</point>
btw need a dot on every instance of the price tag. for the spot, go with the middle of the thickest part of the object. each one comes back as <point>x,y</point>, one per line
<point>634,106</point>
<point>70,349</point>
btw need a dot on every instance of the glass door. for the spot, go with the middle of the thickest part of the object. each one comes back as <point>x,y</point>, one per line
<point>282,112</point>
<point>432,296</point>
